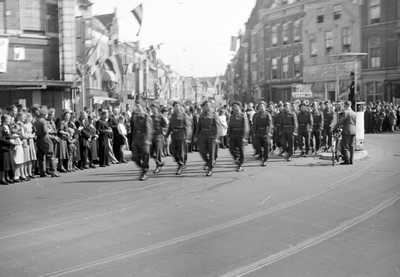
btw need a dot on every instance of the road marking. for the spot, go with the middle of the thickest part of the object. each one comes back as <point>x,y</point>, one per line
<point>313,241</point>
<point>194,235</point>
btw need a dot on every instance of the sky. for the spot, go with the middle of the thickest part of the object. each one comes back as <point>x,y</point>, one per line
<point>195,34</point>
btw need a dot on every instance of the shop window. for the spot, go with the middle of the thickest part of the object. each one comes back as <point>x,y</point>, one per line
<point>374,52</point>
<point>346,40</point>
<point>328,43</point>
<point>375,11</point>
<point>337,12</point>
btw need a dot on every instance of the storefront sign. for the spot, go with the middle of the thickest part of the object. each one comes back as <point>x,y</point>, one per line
<point>3,54</point>
<point>327,72</point>
<point>301,91</point>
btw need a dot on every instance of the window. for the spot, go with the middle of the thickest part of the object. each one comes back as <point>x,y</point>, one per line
<point>374,52</point>
<point>374,92</point>
<point>328,43</point>
<point>313,48</point>
<point>296,61</point>
<point>285,68</point>
<point>274,69</point>
<point>32,16</point>
<point>320,15</point>
<point>337,11</point>
<point>19,53</point>
<point>285,34</point>
<point>253,43</point>
<point>296,31</point>
<point>274,36</point>
<point>375,11</point>
<point>346,40</point>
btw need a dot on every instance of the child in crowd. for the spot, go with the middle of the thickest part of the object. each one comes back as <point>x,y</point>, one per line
<point>71,149</point>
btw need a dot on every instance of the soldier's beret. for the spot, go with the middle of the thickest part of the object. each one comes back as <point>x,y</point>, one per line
<point>176,103</point>
<point>237,103</point>
<point>205,102</point>
<point>43,111</point>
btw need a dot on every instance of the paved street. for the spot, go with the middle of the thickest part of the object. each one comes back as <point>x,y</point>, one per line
<point>303,218</point>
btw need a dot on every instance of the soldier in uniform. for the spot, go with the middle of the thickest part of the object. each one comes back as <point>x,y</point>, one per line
<point>263,126</point>
<point>238,129</point>
<point>207,136</point>
<point>288,128</point>
<point>180,126</point>
<point>318,120</point>
<point>305,121</point>
<point>327,130</point>
<point>142,130</point>
<point>159,122</point>
<point>277,137</point>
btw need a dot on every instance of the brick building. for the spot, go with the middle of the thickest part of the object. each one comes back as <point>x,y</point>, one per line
<point>31,68</point>
<point>380,35</point>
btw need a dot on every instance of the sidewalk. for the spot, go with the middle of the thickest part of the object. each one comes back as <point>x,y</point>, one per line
<point>358,155</point>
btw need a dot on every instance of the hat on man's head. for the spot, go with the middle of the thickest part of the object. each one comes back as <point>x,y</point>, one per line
<point>262,103</point>
<point>43,111</point>
<point>351,73</point>
<point>237,103</point>
<point>205,102</point>
<point>155,106</point>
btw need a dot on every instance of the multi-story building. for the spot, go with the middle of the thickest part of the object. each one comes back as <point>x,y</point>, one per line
<point>280,43</point>
<point>330,28</point>
<point>380,36</point>
<point>37,57</point>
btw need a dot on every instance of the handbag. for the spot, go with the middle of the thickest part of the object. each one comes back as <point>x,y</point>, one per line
<point>87,144</point>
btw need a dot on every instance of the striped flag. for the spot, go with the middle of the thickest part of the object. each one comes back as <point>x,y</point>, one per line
<point>138,13</point>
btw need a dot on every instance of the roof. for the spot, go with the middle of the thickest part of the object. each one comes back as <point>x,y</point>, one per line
<point>106,19</point>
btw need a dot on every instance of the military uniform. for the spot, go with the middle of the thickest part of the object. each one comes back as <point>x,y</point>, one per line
<point>141,139</point>
<point>207,134</point>
<point>327,130</point>
<point>318,119</point>
<point>181,127</point>
<point>262,126</point>
<point>238,130</point>
<point>305,121</point>
<point>288,126</point>
<point>276,136</point>
<point>159,122</point>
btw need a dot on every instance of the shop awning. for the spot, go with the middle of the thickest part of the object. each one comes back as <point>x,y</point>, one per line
<point>109,76</point>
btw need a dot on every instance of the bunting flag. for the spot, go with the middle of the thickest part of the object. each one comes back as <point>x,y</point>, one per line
<point>138,13</point>
<point>114,63</point>
<point>233,43</point>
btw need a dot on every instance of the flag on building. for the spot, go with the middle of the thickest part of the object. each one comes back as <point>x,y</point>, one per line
<point>138,14</point>
<point>233,43</point>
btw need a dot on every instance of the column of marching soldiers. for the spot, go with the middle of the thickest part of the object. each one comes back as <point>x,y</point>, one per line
<point>34,142</point>
<point>282,126</point>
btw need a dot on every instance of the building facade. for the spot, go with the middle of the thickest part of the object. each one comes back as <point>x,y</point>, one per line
<point>380,36</point>
<point>31,67</point>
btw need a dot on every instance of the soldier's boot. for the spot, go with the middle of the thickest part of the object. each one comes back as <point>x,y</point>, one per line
<point>209,173</point>
<point>179,170</point>
<point>144,176</point>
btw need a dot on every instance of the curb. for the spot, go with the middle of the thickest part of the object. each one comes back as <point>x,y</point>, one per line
<point>358,155</point>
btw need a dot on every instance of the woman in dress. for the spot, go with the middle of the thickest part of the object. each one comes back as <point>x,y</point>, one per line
<point>17,152</point>
<point>30,134</point>
<point>21,117</point>
<point>6,163</point>
<point>62,151</point>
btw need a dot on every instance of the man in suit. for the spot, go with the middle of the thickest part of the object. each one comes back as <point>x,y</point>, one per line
<point>348,121</point>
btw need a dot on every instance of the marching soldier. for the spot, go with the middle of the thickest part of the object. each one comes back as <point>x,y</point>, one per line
<point>305,121</point>
<point>180,126</point>
<point>159,122</point>
<point>141,139</point>
<point>262,126</point>
<point>318,120</point>
<point>328,120</point>
<point>207,136</point>
<point>238,129</point>
<point>288,127</point>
